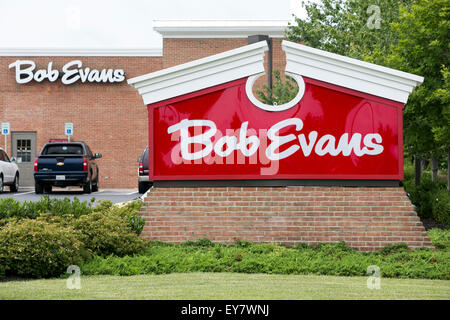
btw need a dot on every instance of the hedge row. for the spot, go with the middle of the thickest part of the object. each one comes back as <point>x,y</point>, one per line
<point>45,245</point>
<point>326,259</point>
<point>104,239</point>
<point>11,210</point>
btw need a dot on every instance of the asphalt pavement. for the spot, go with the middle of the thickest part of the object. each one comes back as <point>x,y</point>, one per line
<point>114,195</point>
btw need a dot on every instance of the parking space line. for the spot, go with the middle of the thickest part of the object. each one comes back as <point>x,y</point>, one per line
<point>131,193</point>
<point>19,194</point>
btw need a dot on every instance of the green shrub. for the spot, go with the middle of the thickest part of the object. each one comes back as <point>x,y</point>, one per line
<point>130,213</point>
<point>34,248</point>
<point>10,208</point>
<point>106,233</point>
<point>394,248</point>
<point>440,238</point>
<point>103,230</point>
<point>441,207</point>
<point>2,268</point>
<point>325,259</point>
<point>424,196</point>
<point>199,243</point>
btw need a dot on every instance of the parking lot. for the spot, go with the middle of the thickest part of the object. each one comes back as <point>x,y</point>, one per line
<point>114,195</point>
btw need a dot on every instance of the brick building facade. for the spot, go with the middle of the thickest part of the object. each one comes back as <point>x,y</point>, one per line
<point>109,117</point>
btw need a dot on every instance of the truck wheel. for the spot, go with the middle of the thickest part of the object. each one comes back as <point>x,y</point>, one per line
<point>48,189</point>
<point>95,186</point>
<point>143,187</point>
<point>15,186</point>
<point>38,188</point>
<point>87,188</point>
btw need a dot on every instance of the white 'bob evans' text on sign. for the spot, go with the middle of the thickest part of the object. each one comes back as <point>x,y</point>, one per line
<point>71,73</point>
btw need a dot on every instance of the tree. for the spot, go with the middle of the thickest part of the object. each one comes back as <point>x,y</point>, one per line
<point>281,91</point>
<point>355,28</point>
<point>410,35</point>
<point>422,48</point>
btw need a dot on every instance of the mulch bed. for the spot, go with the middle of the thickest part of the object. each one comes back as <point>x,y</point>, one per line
<point>430,224</point>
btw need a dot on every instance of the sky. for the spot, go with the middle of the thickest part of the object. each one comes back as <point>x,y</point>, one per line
<point>118,23</point>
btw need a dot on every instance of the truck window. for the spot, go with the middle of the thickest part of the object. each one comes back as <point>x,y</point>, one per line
<point>63,149</point>
<point>89,152</point>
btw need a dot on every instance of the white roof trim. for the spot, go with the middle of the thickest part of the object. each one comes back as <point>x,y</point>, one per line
<point>301,60</point>
<point>81,52</point>
<point>349,73</point>
<point>219,28</point>
<point>202,73</point>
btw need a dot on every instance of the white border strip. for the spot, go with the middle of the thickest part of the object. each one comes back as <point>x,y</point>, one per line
<point>275,108</point>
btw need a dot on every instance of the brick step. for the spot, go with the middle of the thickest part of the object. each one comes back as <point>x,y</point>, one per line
<point>366,218</point>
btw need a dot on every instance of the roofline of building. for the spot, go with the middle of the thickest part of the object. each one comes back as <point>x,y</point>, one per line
<point>182,29</point>
<point>219,28</point>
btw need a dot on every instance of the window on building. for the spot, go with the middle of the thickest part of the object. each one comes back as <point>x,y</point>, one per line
<point>24,150</point>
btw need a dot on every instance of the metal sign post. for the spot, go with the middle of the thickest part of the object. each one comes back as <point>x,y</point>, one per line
<point>5,132</point>
<point>68,130</point>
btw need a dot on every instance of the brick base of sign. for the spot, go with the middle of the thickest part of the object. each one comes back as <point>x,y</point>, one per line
<point>365,218</point>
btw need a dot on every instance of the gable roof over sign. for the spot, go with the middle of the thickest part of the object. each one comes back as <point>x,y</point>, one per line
<point>349,73</point>
<point>201,74</point>
<point>301,60</point>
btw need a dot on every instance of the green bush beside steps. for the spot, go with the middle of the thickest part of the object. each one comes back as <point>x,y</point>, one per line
<point>395,261</point>
<point>431,198</point>
<point>42,239</point>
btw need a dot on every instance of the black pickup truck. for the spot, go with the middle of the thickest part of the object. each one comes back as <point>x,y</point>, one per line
<point>63,164</point>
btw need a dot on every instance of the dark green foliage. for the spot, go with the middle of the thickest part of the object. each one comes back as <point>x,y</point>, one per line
<point>349,28</point>
<point>33,248</point>
<point>199,243</point>
<point>45,240</point>
<point>130,212</point>
<point>412,36</point>
<point>394,248</point>
<point>326,259</point>
<point>422,48</point>
<point>105,233</point>
<point>281,91</point>
<point>12,209</point>
<point>441,206</point>
<point>432,199</point>
<point>440,238</point>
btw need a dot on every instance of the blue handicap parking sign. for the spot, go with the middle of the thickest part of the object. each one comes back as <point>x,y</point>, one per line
<point>5,131</point>
<point>69,131</point>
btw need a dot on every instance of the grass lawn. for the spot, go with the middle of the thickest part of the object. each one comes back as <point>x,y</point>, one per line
<point>230,286</point>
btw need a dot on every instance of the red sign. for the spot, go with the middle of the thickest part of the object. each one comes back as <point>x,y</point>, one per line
<point>331,133</point>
